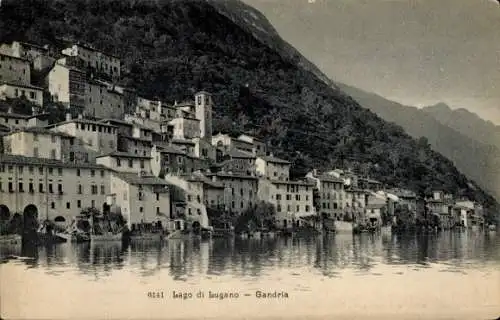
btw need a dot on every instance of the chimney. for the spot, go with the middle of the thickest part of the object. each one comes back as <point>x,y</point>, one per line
<point>80,116</point>
<point>214,178</point>
<point>315,172</point>
<point>68,116</point>
<point>10,110</point>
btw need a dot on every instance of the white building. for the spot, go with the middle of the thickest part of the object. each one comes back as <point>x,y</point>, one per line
<point>14,69</point>
<point>49,188</point>
<point>96,60</point>
<point>13,90</point>
<point>142,198</point>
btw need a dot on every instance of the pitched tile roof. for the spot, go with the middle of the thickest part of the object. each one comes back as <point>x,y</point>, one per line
<point>236,153</point>
<point>22,160</point>
<point>135,179</point>
<point>41,130</point>
<point>123,154</point>
<point>274,159</point>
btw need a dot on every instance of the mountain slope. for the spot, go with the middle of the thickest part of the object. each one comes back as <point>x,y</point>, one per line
<point>477,160</point>
<point>467,123</point>
<point>172,48</point>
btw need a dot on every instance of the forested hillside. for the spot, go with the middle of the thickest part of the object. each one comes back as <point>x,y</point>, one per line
<point>170,49</point>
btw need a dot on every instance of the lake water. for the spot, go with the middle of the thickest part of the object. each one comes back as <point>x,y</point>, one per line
<point>447,275</point>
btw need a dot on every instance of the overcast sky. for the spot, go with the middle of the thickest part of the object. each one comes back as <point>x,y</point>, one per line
<point>417,52</point>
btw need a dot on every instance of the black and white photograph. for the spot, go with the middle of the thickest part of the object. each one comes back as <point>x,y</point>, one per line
<point>250,159</point>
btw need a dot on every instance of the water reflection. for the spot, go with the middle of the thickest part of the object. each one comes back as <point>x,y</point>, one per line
<point>185,260</point>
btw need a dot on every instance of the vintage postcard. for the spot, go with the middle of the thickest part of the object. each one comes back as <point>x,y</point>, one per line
<point>249,159</point>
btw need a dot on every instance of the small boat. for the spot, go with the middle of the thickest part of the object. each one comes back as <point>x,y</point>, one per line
<point>10,239</point>
<point>47,235</point>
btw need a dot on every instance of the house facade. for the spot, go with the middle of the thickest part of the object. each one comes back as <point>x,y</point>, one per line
<point>50,189</point>
<point>14,69</point>
<point>14,90</point>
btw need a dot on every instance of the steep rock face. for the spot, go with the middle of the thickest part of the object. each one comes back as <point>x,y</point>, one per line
<point>261,84</point>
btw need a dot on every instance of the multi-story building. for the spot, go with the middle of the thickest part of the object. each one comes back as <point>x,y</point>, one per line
<point>293,200</point>
<point>66,84</point>
<point>16,120</point>
<point>258,146</point>
<point>50,189</point>
<point>169,159</point>
<point>41,143</point>
<point>189,195</point>
<point>14,90</point>
<point>332,195</point>
<point>240,190</point>
<point>226,143</point>
<point>37,55</point>
<point>95,60</point>
<point>94,138</point>
<point>14,69</point>
<point>102,101</point>
<point>126,162</point>
<point>185,128</point>
<point>272,167</point>
<point>142,198</point>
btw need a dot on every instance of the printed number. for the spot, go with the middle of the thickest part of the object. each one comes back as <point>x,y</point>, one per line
<point>155,294</point>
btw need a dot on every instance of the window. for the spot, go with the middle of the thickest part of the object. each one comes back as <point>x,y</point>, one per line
<point>10,169</point>
<point>94,189</point>
<point>297,197</point>
<point>52,205</point>
<point>92,173</point>
<point>141,209</point>
<point>118,162</point>
<point>103,190</point>
<point>78,203</point>
<point>102,173</point>
<point>92,203</point>
<point>278,197</point>
<point>31,188</point>
<point>130,163</point>
<point>40,187</point>
<point>53,154</point>
<point>50,188</point>
<point>278,208</point>
<point>20,189</point>
<point>288,197</point>
<point>298,208</point>
<point>71,156</point>
<point>59,188</point>
<point>307,208</point>
<point>20,170</point>
<point>189,197</point>
<point>142,164</point>
<point>60,171</point>
<point>77,172</point>
<point>68,206</point>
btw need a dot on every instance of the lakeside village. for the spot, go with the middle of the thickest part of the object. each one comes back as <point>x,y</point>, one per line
<point>157,172</point>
